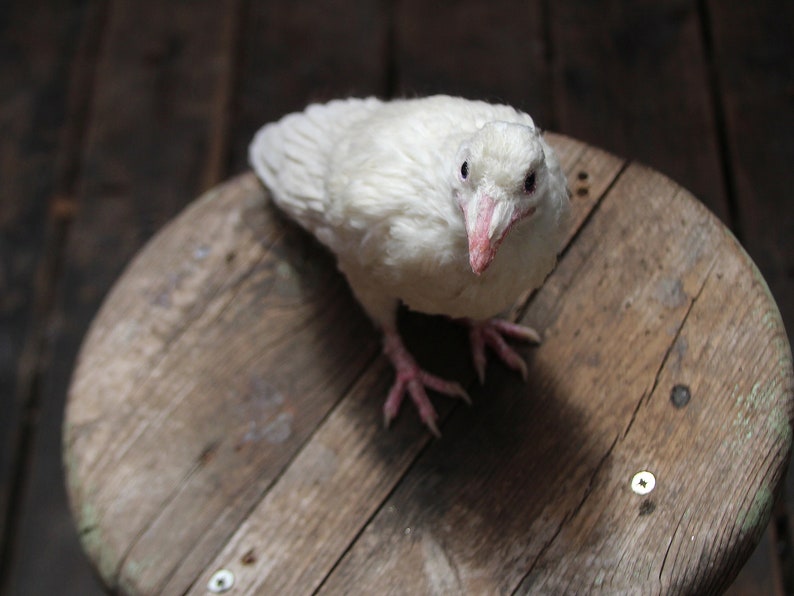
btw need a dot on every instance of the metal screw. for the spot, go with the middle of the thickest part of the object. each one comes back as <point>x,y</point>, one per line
<point>643,482</point>
<point>221,581</point>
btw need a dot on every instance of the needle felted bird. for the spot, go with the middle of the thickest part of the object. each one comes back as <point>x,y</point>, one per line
<point>450,206</point>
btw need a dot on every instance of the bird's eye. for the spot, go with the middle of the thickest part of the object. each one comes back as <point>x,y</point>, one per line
<point>529,183</point>
<point>464,170</point>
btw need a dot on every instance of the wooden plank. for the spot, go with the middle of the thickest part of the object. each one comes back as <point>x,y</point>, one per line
<point>651,102</point>
<point>754,58</point>
<point>145,154</point>
<point>45,54</point>
<point>295,53</point>
<point>754,52</point>
<point>761,574</point>
<point>273,294</point>
<point>306,521</point>
<point>718,461</point>
<point>487,510</point>
<point>239,421</point>
<point>183,295</point>
<point>496,51</point>
<point>632,78</point>
<point>34,79</point>
<point>753,46</point>
<point>271,81</point>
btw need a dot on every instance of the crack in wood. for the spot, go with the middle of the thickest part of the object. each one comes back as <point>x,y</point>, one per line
<point>571,514</point>
<point>201,461</point>
<point>525,302</point>
<point>178,332</point>
<point>670,544</point>
<point>234,289</point>
<point>646,395</point>
<point>255,502</point>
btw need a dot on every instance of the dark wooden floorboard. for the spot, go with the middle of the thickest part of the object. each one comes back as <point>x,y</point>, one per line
<point>22,223</point>
<point>42,44</point>
<point>632,79</point>
<point>496,51</point>
<point>761,575</point>
<point>179,91</point>
<point>293,54</point>
<point>147,147</point>
<point>754,56</point>
<point>752,46</point>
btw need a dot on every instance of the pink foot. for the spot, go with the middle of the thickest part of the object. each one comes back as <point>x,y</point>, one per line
<point>491,333</point>
<point>413,380</point>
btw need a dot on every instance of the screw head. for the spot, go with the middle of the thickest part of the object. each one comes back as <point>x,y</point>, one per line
<point>643,482</point>
<point>221,581</point>
<point>680,396</point>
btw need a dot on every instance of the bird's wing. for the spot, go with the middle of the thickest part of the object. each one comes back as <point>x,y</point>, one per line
<point>292,155</point>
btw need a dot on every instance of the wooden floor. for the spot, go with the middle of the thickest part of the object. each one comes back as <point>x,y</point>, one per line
<point>115,114</point>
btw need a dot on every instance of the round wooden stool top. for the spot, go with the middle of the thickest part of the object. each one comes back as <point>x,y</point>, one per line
<point>223,430</point>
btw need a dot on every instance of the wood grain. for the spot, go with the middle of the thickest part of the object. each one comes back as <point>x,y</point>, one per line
<point>147,130</point>
<point>305,544</point>
<point>758,161</point>
<point>34,79</point>
<point>647,70</point>
<point>758,124</point>
<point>501,53</point>
<point>47,52</point>
<point>622,329</point>
<point>246,355</point>
<point>631,77</point>
<point>295,53</point>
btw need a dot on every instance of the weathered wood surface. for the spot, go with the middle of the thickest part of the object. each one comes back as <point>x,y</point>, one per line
<point>225,414</point>
<point>43,85</point>
<point>759,103</point>
<point>114,116</point>
<point>148,135</point>
<point>653,103</point>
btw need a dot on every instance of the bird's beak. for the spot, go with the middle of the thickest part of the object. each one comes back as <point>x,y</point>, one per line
<point>482,249</point>
<point>487,225</point>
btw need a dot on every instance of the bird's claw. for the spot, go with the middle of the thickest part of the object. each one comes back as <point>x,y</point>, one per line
<point>515,330</point>
<point>450,388</point>
<point>412,380</point>
<point>491,333</point>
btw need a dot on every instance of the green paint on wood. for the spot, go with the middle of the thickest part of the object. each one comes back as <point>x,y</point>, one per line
<point>756,517</point>
<point>89,528</point>
<point>87,517</point>
<point>765,403</point>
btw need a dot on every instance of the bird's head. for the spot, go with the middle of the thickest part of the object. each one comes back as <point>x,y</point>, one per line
<point>501,180</point>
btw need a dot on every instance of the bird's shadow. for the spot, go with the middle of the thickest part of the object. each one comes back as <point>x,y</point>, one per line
<point>515,463</point>
<point>511,467</point>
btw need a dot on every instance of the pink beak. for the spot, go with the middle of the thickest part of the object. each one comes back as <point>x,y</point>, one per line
<point>481,250</point>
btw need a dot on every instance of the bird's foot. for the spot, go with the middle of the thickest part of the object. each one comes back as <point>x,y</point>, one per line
<point>412,380</point>
<point>492,333</point>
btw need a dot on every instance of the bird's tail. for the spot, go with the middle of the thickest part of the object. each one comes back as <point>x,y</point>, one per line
<point>291,155</point>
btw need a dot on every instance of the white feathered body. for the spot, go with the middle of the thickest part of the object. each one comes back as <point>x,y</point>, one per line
<point>373,181</point>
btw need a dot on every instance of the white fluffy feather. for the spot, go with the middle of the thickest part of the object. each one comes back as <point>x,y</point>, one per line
<point>376,182</point>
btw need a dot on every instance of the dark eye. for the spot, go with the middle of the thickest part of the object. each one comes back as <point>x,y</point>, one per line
<point>464,170</point>
<point>529,183</point>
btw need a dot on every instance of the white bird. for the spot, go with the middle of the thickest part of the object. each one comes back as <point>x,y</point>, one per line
<point>450,206</point>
